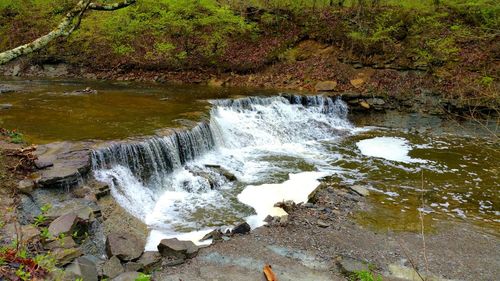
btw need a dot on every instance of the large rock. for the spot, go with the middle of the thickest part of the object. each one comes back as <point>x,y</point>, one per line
<point>63,225</point>
<point>124,246</point>
<point>71,163</point>
<point>127,276</point>
<point>112,267</point>
<point>241,228</point>
<point>150,260</point>
<point>175,248</point>
<point>84,268</point>
<point>324,86</point>
<point>65,256</point>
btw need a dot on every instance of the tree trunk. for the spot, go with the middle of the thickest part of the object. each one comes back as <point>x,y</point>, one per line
<point>69,23</point>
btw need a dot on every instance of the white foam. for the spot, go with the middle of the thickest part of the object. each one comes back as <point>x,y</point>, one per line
<point>155,237</point>
<point>389,148</point>
<point>263,197</point>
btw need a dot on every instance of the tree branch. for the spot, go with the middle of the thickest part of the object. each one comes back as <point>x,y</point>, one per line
<point>69,23</point>
<point>111,7</point>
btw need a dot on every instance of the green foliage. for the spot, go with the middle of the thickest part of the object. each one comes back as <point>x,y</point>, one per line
<point>44,233</point>
<point>45,208</point>
<point>143,277</point>
<point>366,275</point>
<point>486,80</point>
<point>15,137</point>
<point>22,274</point>
<point>40,219</point>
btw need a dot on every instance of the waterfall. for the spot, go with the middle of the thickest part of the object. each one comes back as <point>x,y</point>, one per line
<point>186,179</point>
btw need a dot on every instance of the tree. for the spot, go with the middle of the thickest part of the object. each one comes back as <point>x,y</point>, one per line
<point>68,24</point>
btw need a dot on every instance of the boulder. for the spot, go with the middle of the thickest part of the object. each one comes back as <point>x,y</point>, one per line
<point>241,228</point>
<point>84,268</point>
<point>63,225</point>
<point>112,267</point>
<point>65,256</point>
<point>133,266</point>
<point>324,86</point>
<point>177,249</point>
<point>124,246</point>
<point>26,186</point>
<point>127,276</point>
<point>215,235</point>
<point>150,260</point>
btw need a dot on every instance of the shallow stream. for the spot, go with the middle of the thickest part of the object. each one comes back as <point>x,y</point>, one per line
<point>278,147</point>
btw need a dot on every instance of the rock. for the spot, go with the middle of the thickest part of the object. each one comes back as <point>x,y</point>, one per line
<point>65,256</point>
<point>40,165</point>
<point>127,276</point>
<point>26,186</point>
<point>112,267</point>
<point>29,232</point>
<point>215,235</point>
<point>360,190</point>
<point>325,86</point>
<point>364,104</point>
<point>5,106</point>
<point>150,260</point>
<point>133,266</point>
<point>177,249</point>
<point>64,243</point>
<point>63,225</point>
<point>241,228</point>
<point>322,223</point>
<point>124,246</point>
<point>85,268</point>
<point>358,82</point>
<point>71,162</point>
<point>84,209</point>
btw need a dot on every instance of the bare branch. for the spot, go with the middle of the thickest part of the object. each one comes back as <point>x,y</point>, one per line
<point>111,7</point>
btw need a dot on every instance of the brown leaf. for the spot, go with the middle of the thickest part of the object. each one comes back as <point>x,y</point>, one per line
<point>268,272</point>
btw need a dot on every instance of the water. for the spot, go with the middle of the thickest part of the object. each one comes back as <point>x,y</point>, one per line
<point>277,147</point>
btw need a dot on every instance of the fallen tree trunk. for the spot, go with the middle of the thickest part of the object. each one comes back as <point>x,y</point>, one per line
<point>69,23</point>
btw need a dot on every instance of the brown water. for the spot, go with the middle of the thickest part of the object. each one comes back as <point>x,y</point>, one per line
<point>49,110</point>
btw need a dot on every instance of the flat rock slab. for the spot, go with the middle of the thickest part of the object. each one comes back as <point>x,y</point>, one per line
<point>177,249</point>
<point>70,163</point>
<point>63,225</point>
<point>124,246</point>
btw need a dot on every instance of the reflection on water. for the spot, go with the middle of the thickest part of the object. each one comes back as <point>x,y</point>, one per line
<point>52,110</point>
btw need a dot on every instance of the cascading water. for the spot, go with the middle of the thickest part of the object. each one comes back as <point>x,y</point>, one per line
<point>175,184</point>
